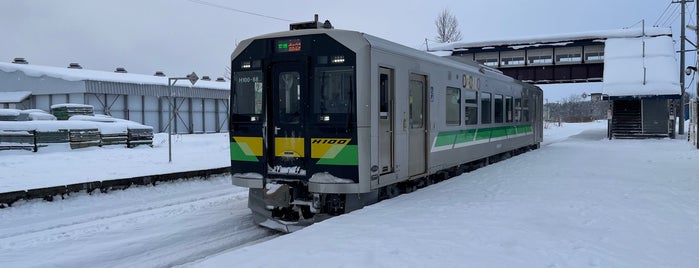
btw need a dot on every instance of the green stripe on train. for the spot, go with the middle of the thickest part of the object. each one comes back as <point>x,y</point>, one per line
<point>449,138</point>
<point>237,154</point>
<point>349,156</point>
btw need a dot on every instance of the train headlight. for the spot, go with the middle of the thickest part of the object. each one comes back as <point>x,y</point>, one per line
<point>246,65</point>
<point>325,118</point>
<point>337,59</point>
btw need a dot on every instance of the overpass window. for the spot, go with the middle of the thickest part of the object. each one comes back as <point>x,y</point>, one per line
<point>486,108</point>
<point>594,53</point>
<point>509,108</point>
<point>543,59</point>
<point>568,58</point>
<point>453,106</point>
<point>471,107</point>
<point>512,58</point>
<point>487,58</point>
<point>594,56</point>
<point>512,61</point>
<point>569,55</point>
<point>499,107</point>
<point>489,62</point>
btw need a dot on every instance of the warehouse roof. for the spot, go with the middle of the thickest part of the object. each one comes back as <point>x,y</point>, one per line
<point>71,74</point>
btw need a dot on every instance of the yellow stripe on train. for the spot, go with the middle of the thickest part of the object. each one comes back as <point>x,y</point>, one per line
<point>327,147</point>
<point>289,147</point>
<point>251,146</point>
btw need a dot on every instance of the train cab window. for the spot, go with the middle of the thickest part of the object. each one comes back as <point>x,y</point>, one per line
<point>247,96</point>
<point>333,94</point>
<point>453,106</point>
<point>290,97</point>
<point>471,107</point>
<point>509,109</point>
<point>499,107</point>
<point>486,108</point>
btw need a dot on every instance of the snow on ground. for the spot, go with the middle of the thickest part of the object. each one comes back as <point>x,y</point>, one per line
<point>57,164</point>
<point>580,201</point>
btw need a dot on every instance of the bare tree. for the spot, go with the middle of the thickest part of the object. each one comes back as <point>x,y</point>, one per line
<point>447,27</point>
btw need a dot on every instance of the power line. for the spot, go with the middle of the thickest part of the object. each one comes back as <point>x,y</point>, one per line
<point>237,10</point>
<point>662,14</point>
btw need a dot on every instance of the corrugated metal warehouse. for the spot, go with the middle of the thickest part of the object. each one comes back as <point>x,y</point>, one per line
<point>199,108</point>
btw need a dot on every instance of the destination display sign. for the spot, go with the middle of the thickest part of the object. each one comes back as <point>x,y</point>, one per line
<point>288,45</point>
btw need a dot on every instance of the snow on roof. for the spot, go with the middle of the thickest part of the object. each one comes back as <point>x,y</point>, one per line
<point>71,105</point>
<point>642,66</point>
<point>70,74</point>
<point>14,96</point>
<point>9,112</point>
<point>556,38</point>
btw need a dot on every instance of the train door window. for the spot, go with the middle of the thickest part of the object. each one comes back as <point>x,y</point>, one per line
<point>518,109</point>
<point>471,107</point>
<point>289,97</point>
<point>509,108</point>
<point>453,106</point>
<point>416,104</point>
<point>383,96</point>
<point>486,108</point>
<point>499,107</point>
<point>525,110</point>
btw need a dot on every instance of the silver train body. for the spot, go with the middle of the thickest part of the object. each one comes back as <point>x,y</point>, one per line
<point>327,121</point>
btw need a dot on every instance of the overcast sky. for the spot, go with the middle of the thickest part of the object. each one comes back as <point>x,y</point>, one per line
<point>181,36</point>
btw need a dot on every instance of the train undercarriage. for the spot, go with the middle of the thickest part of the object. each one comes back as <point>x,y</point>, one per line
<point>287,206</point>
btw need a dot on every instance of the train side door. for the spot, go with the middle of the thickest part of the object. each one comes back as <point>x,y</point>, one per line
<point>416,125</point>
<point>386,120</point>
<point>285,131</point>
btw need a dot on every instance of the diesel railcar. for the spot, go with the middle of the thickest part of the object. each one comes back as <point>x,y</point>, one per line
<point>325,121</point>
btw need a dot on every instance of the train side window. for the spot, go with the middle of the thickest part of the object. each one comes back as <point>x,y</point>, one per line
<point>453,106</point>
<point>499,107</point>
<point>509,108</point>
<point>486,108</point>
<point>471,107</point>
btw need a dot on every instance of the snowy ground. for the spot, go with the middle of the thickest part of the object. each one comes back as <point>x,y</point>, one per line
<point>579,201</point>
<point>58,165</point>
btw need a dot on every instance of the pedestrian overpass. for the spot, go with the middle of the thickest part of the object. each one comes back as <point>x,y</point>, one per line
<point>563,58</point>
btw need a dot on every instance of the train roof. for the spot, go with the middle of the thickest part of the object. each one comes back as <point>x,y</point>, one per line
<point>358,41</point>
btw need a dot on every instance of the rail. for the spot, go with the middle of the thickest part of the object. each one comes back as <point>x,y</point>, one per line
<point>49,193</point>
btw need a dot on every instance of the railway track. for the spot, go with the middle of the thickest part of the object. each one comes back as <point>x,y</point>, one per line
<point>171,224</point>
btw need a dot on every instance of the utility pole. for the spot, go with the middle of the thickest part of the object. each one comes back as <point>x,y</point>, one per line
<point>696,97</point>
<point>682,66</point>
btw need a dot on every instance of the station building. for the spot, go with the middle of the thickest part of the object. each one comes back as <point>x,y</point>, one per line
<point>199,108</point>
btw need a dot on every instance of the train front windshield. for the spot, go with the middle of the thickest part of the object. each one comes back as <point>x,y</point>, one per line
<point>247,98</point>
